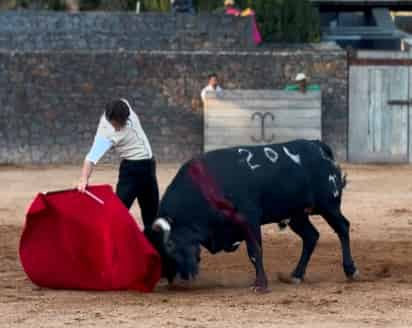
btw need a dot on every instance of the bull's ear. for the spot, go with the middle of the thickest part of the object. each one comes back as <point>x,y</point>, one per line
<point>170,220</point>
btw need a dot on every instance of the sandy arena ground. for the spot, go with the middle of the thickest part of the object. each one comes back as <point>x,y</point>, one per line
<point>378,202</point>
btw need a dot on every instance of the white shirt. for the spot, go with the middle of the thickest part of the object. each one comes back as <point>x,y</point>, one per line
<point>209,88</point>
<point>130,142</point>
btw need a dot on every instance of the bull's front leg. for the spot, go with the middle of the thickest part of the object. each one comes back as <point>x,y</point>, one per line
<point>254,249</point>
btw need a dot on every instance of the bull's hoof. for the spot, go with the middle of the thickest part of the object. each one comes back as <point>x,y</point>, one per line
<point>289,279</point>
<point>180,285</point>
<point>261,290</point>
<point>178,288</point>
<point>354,276</point>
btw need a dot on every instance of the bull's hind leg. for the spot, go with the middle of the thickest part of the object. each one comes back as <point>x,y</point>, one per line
<point>340,225</point>
<point>304,228</point>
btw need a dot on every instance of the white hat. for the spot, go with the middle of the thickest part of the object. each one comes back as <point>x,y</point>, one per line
<point>229,3</point>
<point>300,77</point>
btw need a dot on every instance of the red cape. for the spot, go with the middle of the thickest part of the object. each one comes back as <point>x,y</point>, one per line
<point>72,241</point>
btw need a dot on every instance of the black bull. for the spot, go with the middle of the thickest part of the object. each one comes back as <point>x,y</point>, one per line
<point>223,197</point>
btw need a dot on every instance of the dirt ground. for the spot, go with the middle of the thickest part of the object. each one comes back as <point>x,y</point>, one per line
<point>378,202</point>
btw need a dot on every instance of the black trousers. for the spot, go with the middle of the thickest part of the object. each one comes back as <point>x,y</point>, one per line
<point>137,179</point>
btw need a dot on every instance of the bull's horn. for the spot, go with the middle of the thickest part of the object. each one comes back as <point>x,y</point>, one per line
<point>164,225</point>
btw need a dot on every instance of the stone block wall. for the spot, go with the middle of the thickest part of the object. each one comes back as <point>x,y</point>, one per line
<point>46,31</point>
<point>50,101</point>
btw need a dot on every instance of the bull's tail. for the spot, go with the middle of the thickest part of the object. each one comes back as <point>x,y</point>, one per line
<point>327,154</point>
<point>344,180</point>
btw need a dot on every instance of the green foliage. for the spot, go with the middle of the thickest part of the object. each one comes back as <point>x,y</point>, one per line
<point>268,15</point>
<point>278,20</point>
<point>207,5</point>
<point>245,3</point>
<point>287,20</point>
<point>89,4</point>
<point>154,5</point>
<point>300,22</point>
<point>41,4</point>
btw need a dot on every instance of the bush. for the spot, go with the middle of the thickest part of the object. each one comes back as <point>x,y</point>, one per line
<point>207,5</point>
<point>287,20</point>
<point>153,5</point>
<point>279,20</point>
<point>299,21</point>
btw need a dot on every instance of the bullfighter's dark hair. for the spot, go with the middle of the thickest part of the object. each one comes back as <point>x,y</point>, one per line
<point>211,75</point>
<point>117,111</point>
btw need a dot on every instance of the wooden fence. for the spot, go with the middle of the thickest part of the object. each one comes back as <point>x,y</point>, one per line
<point>253,117</point>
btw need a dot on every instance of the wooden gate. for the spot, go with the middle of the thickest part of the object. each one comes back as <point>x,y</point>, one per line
<point>379,102</point>
<point>256,117</point>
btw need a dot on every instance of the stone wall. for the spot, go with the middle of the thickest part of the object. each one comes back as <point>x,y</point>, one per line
<point>45,31</point>
<point>50,102</point>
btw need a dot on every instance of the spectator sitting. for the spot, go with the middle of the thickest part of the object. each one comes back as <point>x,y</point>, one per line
<point>212,85</point>
<point>231,9</point>
<point>257,38</point>
<point>302,84</point>
<point>228,8</point>
<point>182,6</point>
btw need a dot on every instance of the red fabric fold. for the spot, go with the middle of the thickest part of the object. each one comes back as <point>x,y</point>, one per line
<point>71,241</point>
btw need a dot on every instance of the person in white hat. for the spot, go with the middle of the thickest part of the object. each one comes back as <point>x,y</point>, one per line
<point>301,84</point>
